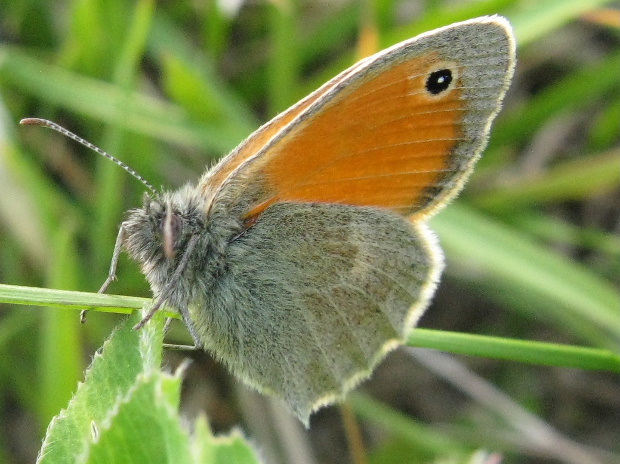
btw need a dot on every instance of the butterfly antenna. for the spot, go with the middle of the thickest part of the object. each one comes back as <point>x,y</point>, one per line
<point>86,143</point>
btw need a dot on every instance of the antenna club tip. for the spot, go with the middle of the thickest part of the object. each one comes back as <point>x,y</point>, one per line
<point>32,122</point>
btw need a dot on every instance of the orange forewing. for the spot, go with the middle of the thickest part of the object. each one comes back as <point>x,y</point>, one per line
<point>256,141</point>
<point>383,142</point>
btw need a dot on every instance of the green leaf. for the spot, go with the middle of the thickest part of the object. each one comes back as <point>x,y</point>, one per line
<point>577,179</point>
<point>142,427</point>
<point>15,294</point>
<point>527,351</point>
<point>126,410</point>
<point>108,103</point>
<point>61,345</point>
<point>222,449</point>
<point>111,375</point>
<point>428,439</point>
<point>525,275</point>
<point>192,80</point>
<point>540,18</point>
<point>569,94</point>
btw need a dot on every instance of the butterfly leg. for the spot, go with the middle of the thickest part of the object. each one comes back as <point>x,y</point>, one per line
<point>120,238</point>
<point>112,272</point>
<point>170,286</point>
<point>174,346</point>
<point>184,310</point>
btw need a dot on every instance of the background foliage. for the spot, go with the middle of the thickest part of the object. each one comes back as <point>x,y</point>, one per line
<point>531,245</point>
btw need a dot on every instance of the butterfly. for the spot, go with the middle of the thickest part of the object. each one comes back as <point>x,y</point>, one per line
<point>303,257</point>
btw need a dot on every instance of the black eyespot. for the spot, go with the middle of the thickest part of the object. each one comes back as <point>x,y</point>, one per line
<point>438,81</point>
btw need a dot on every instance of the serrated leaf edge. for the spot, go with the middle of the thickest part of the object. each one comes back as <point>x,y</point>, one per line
<point>65,412</point>
<point>108,421</point>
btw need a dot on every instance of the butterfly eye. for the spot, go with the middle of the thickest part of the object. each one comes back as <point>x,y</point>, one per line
<point>439,81</point>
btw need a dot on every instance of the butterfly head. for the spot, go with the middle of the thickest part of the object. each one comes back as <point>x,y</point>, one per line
<point>157,233</point>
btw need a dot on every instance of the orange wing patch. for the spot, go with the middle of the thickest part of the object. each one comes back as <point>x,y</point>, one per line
<point>257,140</point>
<point>384,142</point>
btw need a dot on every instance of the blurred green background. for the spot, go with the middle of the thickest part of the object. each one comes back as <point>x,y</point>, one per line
<point>168,87</point>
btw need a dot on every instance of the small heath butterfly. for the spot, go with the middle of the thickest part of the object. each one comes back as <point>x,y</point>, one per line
<point>303,257</point>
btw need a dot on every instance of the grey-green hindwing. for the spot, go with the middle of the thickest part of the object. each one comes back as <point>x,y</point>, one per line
<point>313,296</point>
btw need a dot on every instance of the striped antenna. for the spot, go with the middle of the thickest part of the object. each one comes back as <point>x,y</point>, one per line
<point>86,143</point>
